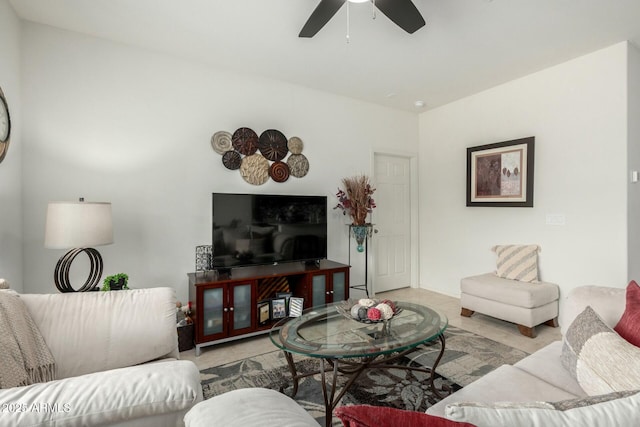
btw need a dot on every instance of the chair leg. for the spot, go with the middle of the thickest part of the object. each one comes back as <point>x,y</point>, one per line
<point>527,331</point>
<point>465,312</point>
<point>552,322</point>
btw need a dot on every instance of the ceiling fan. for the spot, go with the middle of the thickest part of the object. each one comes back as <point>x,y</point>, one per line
<point>402,12</point>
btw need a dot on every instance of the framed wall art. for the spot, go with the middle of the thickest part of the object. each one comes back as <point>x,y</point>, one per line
<point>501,174</point>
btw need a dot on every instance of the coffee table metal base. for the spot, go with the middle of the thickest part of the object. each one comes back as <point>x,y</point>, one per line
<point>353,368</point>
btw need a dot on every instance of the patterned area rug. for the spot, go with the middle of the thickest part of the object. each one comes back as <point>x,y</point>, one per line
<point>467,357</point>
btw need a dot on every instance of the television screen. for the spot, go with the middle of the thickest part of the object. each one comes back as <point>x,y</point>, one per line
<point>252,229</point>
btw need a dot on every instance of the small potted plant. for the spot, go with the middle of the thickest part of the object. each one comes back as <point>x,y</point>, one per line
<point>116,282</point>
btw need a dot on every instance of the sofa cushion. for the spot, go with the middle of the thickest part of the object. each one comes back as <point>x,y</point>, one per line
<point>105,330</point>
<point>629,325</point>
<point>545,364</point>
<point>249,407</point>
<point>377,416</point>
<point>616,409</point>
<point>517,262</point>
<point>599,359</point>
<point>609,303</point>
<point>168,388</point>
<point>520,294</point>
<point>506,383</point>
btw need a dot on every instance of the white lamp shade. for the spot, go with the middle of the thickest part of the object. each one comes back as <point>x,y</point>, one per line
<point>78,225</point>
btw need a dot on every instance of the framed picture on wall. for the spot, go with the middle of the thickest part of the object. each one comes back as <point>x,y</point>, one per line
<point>501,174</point>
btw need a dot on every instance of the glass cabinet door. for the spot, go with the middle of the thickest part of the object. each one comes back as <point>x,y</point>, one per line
<point>213,320</point>
<point>339,286</point>
<point>318,290</point>
<point>242,306</point>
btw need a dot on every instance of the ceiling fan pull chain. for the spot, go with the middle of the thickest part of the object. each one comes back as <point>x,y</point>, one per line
<point>348,21</point>
<point>373,8</point>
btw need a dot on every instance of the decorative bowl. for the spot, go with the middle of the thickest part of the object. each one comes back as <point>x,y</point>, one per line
<point>368,310</point>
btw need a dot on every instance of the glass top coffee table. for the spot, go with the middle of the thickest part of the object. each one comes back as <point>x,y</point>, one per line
<point>349,347</point>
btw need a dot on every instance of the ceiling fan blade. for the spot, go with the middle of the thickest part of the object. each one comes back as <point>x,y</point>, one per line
<point>320,16</point>
<point>403,12</point>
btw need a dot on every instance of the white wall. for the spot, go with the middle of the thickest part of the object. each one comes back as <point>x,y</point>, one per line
<point>11,166</point>
<point>577,112</point>
<point>115,123</point>
<point>634,161</point>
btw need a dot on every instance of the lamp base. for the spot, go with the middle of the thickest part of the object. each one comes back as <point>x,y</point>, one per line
<point>61,275</point>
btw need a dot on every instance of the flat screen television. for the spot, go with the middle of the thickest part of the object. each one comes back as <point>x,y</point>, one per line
<point>254,229</point>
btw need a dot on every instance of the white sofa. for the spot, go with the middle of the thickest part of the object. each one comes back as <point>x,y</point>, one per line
<point>116,355</point>
<point>539,377</point>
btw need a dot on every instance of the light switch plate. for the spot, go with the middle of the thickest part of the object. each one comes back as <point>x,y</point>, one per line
<point>556,219</point>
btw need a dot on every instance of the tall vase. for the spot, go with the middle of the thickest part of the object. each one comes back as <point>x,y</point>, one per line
<point>361,232</point>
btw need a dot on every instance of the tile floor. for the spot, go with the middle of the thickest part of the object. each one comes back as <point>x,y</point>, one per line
<point>494,329</point>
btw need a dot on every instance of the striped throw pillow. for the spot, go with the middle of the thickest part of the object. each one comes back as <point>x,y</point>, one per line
<point>598,358</point>
<point>517,262</point>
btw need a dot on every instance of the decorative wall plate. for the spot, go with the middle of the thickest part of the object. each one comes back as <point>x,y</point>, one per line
<point>232,160</point>
<point>298,165</point>
<point>255,169</point>
<point>245,141</point>
<point>295,145</point>
<point>273,145</point>
<point>279,171</point>
<point>221,142</point>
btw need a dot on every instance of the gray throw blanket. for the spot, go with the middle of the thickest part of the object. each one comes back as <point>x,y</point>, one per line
<point>24,356</point>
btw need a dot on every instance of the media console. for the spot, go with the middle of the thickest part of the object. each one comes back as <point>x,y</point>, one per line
<point>226,306</point>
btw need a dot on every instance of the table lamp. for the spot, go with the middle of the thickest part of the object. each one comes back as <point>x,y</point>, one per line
<point>78,226</point>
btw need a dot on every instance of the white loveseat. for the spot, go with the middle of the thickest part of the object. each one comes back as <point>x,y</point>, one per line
<point>540,377</point>
<point>116,355</point>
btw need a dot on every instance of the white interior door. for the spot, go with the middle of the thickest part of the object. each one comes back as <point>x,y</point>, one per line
<point>392,241</point>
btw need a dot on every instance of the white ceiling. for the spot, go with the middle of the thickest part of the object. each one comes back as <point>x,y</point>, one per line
<point>467,45</point>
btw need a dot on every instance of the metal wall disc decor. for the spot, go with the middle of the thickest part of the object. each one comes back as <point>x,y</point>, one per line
<point>298,165</point>
<point>232,160</point>
<point>279,171</point>
<point>245,141</point>
<point>255,169</point>
<point>239,152</point>
<point>221,142</point>
<point>295,145</point>
<point>273,145</point>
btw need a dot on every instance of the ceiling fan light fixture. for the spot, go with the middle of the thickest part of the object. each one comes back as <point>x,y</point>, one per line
<point>358,1</point>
